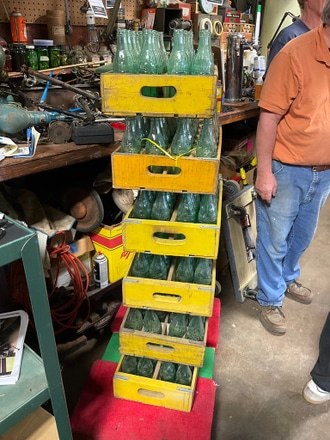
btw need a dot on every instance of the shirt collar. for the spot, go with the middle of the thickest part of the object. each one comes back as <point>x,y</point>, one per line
<point>322,51</point>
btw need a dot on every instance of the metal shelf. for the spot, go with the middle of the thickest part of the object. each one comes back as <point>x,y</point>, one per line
<point>40,377</point>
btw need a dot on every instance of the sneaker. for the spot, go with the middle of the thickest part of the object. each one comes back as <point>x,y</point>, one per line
<point>299,293</point>
<point>314,394</point>
<point>273,319</point>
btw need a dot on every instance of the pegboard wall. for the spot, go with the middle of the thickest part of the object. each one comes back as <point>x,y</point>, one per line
<point>34,11</point>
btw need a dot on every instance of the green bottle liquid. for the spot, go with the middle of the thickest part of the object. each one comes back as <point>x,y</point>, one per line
<point>188,208</point>
<point>208,209</point>
<point>195,330</point>
<point>167,372</point>
<point>142,206</point>
<point>151,322</point>
<point>145,367</point>
<point>130,142</point>
<point>161,208</point>
<point>183,375</point>
<point>185,270</point>
<point>134,319</point>
<point>141,265</point>
<point>203,271</point>
<point>159,267</point>
<point>155,135</point>
<point>207,142</point>
<point>178,325</point>
<point>129,364</point>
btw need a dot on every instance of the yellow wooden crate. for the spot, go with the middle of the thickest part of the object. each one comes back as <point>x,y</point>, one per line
<point>133,171</point>
<point>200,240</point>
<point>153,391</point>
<point>161,346</point>
<point>168,295</point>
<point>195,95</point>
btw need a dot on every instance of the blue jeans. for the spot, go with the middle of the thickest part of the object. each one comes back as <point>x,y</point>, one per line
<point>286,227</point>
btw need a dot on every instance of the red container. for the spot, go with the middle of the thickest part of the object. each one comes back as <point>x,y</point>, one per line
<point>18,27</point>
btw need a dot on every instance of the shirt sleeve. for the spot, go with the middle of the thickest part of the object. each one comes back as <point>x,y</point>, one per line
<point>281,84</point>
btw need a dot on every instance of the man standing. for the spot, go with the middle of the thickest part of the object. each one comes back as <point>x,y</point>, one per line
<point>310,17</point>
<point>293,172</point>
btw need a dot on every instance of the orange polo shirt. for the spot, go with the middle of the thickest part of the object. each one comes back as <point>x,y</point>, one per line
<point>297,86</point>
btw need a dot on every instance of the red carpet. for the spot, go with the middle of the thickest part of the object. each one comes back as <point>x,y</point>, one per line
<point>100,416</point>
<point>213,333</point>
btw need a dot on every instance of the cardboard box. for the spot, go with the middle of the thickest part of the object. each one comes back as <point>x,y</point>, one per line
<point>38,425</point>
<point>148,18</point>
<point>109,241</point>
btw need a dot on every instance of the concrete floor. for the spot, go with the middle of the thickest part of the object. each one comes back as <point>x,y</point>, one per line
<point>260,377</point>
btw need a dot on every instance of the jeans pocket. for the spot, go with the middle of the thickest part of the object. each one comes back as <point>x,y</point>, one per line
<point>277,167</point>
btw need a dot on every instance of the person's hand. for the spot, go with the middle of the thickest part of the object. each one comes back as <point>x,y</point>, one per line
<point>266,186</point>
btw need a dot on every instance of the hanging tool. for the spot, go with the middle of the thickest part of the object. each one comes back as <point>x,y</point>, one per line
<point>105,36</point>
<point>68,27</point>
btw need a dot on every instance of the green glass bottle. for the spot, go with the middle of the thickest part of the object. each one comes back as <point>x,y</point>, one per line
<point>203,271</point>
<point>162,51</point>
<point>134,49</point>
<point>203,61</point>
<point>188,208</point>
<point>167,372</point>
<point>178,63</point>
<point>156,135</point>
<point>195,330</point>
<point>159,267</point>
<point>134,319</point>
<point>142,206</point>
<point>141,265</point>
<point>151,322</point>
<point>123,61</point>
<point>130,143</point>
<point>189,45</point>
<point>182,141</point>
<point>166,131</point>
<point>145,367</point>
<point>161,315</point>
<point>161,209</point>
<point>129,364</point>
<point>207,142</point>
<point>143,125</point>
<point>183,375</point>
<point>208,209</point>
<point>149,60</point>
<point>185,269</point>
<point>178,325</point>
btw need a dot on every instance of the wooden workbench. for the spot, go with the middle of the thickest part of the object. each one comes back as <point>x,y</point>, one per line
<point>52,156</point>
<point>240,112</point>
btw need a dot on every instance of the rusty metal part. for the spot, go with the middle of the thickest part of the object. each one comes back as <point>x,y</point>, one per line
<point>85,93</point>
<point>59,132</point>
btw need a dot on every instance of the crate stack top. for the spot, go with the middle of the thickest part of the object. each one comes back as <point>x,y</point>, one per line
<point>195,98</point>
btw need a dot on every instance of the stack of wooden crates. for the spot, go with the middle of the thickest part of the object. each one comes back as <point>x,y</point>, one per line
<point>195,98</point>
